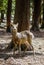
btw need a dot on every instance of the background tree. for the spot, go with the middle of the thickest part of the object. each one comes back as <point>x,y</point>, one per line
<point>1,10</point>
<point>36,15</point>
<point>22,13</point>
<point>42,26</point>
<point>9,7</point>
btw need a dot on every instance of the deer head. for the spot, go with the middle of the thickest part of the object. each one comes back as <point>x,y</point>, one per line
<point>14,28</point>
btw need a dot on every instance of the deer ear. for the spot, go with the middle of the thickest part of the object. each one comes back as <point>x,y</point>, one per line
<point>17,25</point>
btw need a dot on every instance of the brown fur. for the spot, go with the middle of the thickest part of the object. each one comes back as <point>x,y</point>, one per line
<point>23,37</point>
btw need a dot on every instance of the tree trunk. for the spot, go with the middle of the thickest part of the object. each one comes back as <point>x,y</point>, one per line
<point>9,15</point>
<point>2,15</point>
<point>36,15</point>
<point>1,11</point>
<point>22,14</point>
<point>42,26</point>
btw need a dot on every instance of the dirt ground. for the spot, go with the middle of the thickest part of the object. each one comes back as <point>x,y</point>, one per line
<point>9,59</point>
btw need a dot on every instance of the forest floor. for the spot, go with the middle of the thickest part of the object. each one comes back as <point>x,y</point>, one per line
<point>7,58</point>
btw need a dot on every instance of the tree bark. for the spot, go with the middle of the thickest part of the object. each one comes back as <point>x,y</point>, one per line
<point>1,11</point>
<point>9,15</point>
<point>2,15</point>
<point>42,26</point>
<point>36,15</point>
<point>22,14</point>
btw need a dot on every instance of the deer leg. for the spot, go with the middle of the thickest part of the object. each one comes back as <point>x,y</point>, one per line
<point>19,49</point>
<point>15,47</point>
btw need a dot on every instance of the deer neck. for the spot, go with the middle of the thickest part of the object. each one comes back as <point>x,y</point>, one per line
<point>14,33</point>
